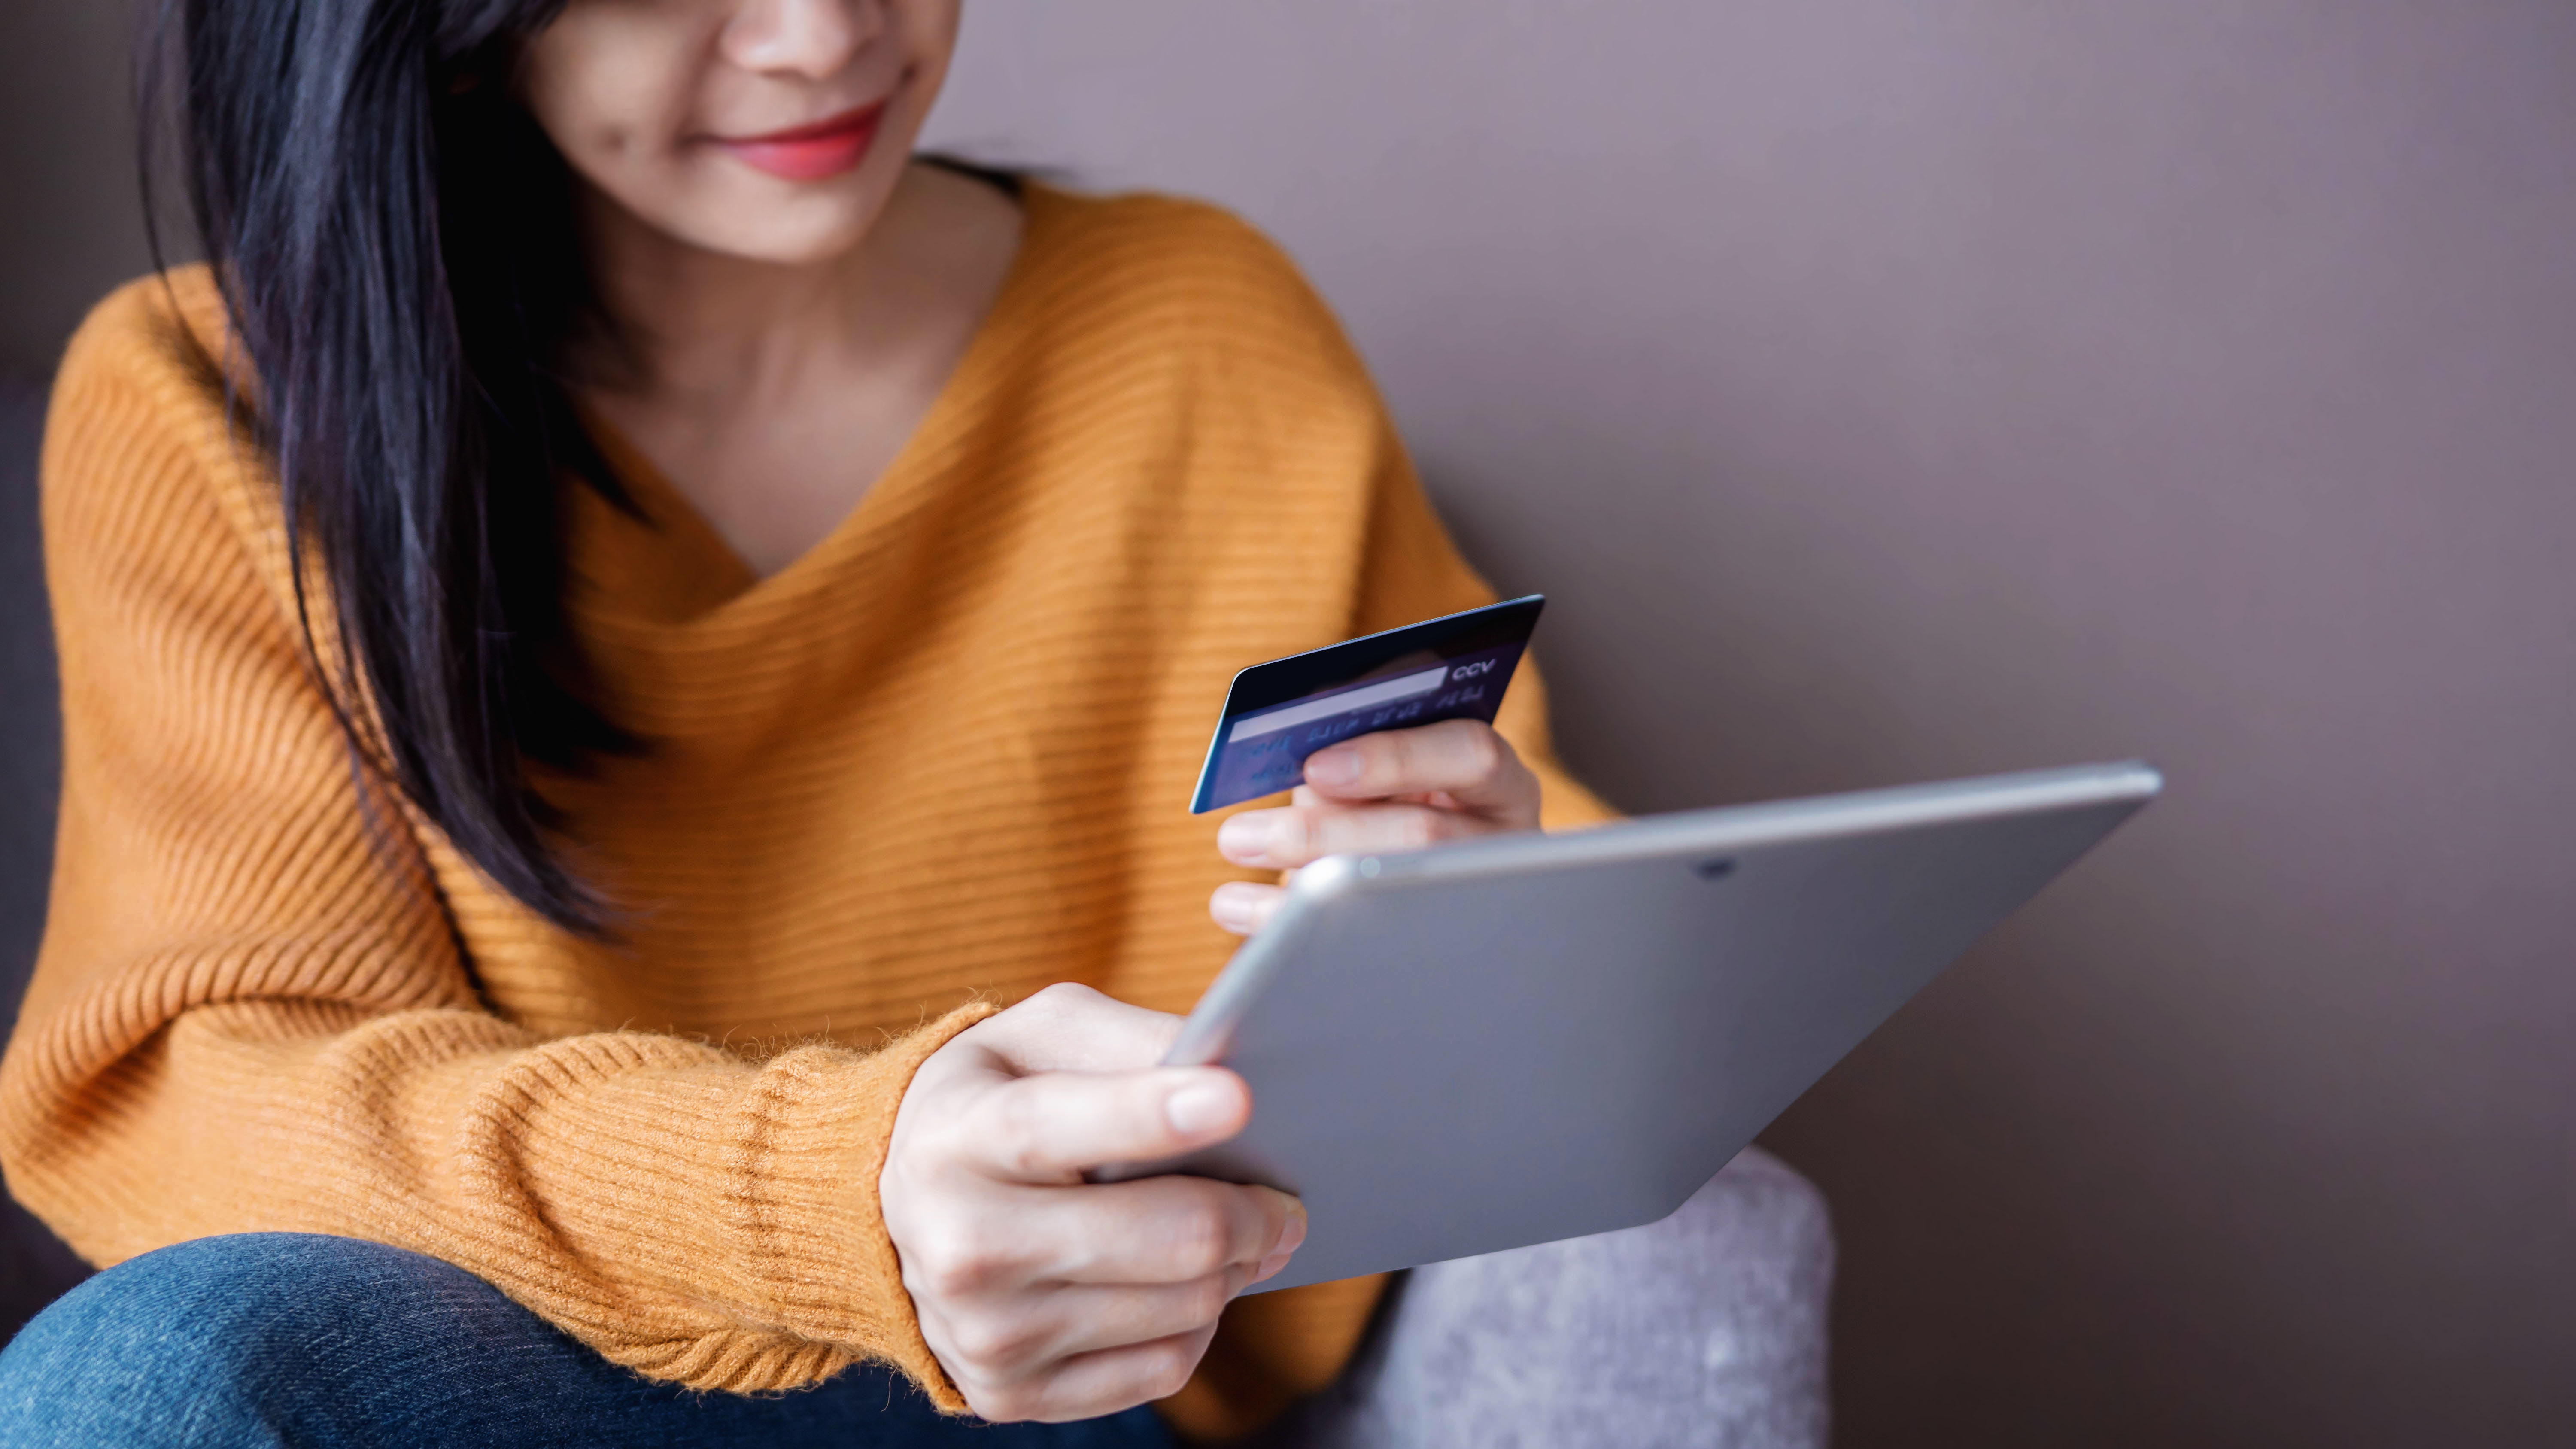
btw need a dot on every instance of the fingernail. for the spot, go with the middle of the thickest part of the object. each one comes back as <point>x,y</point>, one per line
<point>1334,767</point>
<point>1289,1239</point>
<point>1231,905</point>
<point>1245,839</point>
<point>1198,1108</point>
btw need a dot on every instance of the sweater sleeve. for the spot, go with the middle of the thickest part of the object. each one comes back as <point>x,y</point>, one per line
<point>251,1012</point>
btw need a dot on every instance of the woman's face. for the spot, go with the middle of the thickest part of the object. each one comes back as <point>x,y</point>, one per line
<point>767,129</point>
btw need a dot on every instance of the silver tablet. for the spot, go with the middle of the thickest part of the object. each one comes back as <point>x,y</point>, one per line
<point>1502,1042</point>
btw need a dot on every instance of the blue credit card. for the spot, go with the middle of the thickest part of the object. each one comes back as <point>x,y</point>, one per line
<point>1453,667</point>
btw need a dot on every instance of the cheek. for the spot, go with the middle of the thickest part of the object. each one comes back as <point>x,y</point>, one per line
<point>928,37</point>
<point>600,144</point>
<point>629,157</point>
<point>612,96</point>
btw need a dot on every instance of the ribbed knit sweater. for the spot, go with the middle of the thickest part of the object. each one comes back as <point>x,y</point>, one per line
<point>940,761</point>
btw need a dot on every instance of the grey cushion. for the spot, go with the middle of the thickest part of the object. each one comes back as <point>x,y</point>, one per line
<point>1705,1329</point>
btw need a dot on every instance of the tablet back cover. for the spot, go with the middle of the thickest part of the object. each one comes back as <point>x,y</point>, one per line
<point>1481,1047</point>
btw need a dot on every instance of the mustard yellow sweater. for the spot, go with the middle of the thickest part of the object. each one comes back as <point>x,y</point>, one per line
<point>936,764</point>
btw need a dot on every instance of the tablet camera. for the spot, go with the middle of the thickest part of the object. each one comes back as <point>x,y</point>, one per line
<point>1715,868</point>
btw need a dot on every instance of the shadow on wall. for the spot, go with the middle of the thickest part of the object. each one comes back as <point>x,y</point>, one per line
<point>34,1265</point>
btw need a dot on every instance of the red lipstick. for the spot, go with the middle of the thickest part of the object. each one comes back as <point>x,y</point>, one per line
<point>810,153</point>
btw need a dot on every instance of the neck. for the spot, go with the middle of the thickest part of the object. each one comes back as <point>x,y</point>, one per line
<point>694,324</point>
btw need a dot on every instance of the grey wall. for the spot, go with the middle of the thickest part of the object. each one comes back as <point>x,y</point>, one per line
<point>70,226</point>
<point>34,1264</point>
<point>69,230</point>
<point>1885,390</point>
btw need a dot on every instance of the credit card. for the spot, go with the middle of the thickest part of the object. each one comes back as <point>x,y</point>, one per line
<point>1453,667</point>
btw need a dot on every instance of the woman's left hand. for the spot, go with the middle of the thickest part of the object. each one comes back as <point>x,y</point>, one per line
<point>1397,790</point>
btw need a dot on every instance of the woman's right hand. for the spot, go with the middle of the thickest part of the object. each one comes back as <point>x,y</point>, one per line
<point>1044,1296</point>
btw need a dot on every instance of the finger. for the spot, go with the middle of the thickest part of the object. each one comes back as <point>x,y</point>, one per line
<point>1071,1028</point>
<point>1463,757</point>
<point>1093,1384</point>
<point>1054,1126</point>
<point>1095,1318</point>
<point>1243,906</point>
<point>1033,1334</point>
<point>1301,835</point>
<point>1172,1229</point>
<point>986,1276</point>
<point>1024,1336</point>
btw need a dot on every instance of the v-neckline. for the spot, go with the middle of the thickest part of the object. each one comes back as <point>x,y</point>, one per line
<point>726,581</point>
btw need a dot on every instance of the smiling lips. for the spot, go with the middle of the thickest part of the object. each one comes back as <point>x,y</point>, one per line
<point>810,153</point>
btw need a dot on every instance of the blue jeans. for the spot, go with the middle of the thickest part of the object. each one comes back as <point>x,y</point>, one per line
<point>278,1339</point>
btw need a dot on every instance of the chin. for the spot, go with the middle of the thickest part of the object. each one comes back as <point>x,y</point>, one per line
<point>790,223</point>
<point>802,232</point>
<point>791,246</point>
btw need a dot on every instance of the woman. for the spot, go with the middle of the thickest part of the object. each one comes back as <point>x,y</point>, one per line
<point>632,660</point>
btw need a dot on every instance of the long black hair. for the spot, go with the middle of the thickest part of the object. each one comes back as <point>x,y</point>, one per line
<point>395,241</point>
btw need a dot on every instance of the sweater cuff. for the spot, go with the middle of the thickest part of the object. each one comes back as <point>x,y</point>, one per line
<point>818,1231</point>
